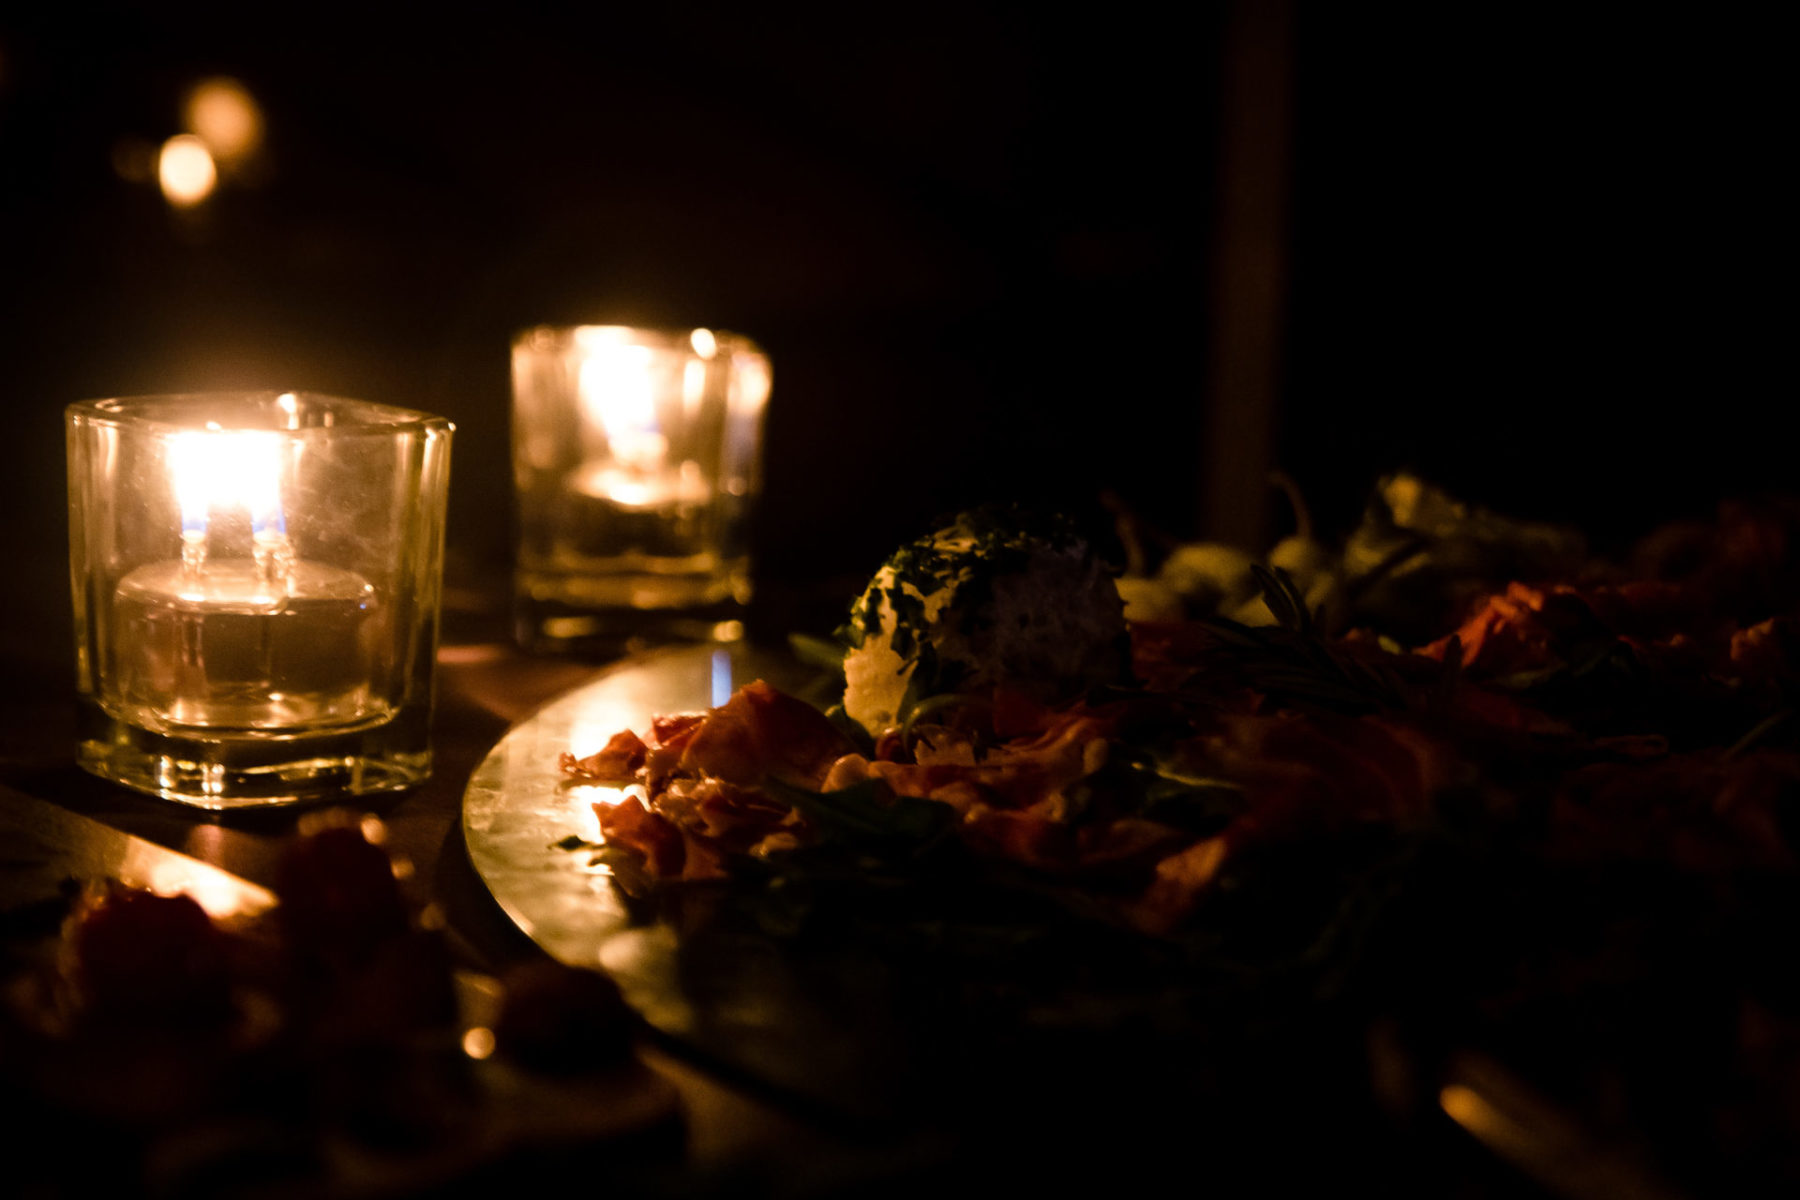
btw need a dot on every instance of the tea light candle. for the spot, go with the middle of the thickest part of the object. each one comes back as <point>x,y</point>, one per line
<point>618,392</point>
<point>628,496</point>
<point>262,640</point>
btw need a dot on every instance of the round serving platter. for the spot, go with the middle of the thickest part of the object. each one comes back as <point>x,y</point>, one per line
<point>736,1000</point>
<point>1074,1051</point>
<point>875,1025</point>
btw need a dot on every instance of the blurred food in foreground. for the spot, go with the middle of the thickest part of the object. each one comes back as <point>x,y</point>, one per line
<point>329,1044</point>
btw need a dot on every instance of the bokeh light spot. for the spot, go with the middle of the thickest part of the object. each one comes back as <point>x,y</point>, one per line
<point>223,114</point>
<point>186,171</point>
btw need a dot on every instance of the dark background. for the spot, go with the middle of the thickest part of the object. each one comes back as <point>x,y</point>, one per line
<point>1541,258</point>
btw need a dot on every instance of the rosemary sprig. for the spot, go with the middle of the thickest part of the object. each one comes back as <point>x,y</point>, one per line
<point>1292,661</point>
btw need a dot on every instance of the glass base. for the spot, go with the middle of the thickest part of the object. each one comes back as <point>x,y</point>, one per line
<point>635,605</point>
<point>232,769</point>
<point>550,627</point>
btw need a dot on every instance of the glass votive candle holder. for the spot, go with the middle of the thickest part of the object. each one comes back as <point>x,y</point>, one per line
<point>637,461</point>
<point>256,580</point>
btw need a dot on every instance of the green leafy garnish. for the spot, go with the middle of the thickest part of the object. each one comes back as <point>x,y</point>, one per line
<point>1291,661</point>
<point>868,811</point>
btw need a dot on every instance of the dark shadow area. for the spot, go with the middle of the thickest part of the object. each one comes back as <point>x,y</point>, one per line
<point>1537,256</point>
<point>972,238</point>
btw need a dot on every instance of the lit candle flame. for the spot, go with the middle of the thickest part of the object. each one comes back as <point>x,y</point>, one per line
<point>618,392</point>
<point>228,469</point>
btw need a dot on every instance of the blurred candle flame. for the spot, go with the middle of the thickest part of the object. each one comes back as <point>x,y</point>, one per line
<point>222,114</point>
<point>618,392</point>
<point>186,171</point>
<point>478,1041</point>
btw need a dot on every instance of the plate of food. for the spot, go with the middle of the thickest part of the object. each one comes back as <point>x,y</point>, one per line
<point>1212,854</point>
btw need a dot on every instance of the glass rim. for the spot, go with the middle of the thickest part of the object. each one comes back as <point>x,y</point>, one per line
<point>667,337</point>
<point>375,420</point>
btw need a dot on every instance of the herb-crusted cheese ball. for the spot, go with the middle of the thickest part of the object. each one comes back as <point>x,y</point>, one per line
<point>992,598</point>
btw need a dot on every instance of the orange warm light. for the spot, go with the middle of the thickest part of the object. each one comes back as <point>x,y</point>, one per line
<point>186,171</point>
<point>223,114</point>
<point>478,1042</point>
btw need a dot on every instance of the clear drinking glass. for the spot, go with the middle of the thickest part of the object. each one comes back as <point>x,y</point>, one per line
<point>256,579</point>
<point>637,460</point>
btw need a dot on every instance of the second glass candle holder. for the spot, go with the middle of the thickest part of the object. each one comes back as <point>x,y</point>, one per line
<point>636,455</point>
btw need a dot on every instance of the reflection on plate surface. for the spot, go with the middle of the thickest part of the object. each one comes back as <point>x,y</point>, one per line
<point>747,1011</point>
<point>519,804</point>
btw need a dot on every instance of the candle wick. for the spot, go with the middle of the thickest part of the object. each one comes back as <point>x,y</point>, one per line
<point>275,561</point>
<point>193,555</point>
